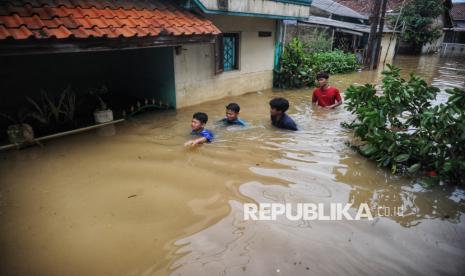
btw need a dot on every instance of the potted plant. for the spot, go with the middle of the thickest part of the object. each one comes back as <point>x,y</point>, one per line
<point>103,114</point>
<point>19,133</point>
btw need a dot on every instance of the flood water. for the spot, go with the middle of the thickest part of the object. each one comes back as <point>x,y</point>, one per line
<point>139,203</point>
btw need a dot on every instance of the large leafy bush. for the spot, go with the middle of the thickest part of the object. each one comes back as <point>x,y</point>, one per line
<point>402,129</point>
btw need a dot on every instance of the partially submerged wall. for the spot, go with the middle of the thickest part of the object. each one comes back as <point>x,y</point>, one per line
<point>195,77</point>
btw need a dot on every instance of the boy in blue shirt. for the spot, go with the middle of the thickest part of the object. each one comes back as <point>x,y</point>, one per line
<point>279,118</point>
<point>232,115</point>
<point>199,120</point>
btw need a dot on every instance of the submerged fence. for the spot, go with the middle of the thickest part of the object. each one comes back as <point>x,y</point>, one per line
<point>452,49</point>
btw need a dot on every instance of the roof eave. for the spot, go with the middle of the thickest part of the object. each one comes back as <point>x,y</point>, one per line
<point>248,14</point>
<point>11,47</point>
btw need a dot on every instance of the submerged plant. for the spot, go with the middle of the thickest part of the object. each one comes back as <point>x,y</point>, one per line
<point>51,109</point>
<point>98,92</point>
<point>403,130</point>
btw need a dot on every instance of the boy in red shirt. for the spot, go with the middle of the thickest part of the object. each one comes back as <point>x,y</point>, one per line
<point>325,95</point>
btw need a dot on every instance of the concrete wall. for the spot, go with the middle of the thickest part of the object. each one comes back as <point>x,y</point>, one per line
<point>195,78</point>
<point>385,47</point>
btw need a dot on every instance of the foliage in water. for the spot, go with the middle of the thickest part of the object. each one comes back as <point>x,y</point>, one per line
<point>402,129</point>
<point>49,109</point>
<point>298,66</point>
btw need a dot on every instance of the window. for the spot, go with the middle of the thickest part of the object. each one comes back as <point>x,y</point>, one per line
<point>264,34</point>
<point>231,51</point>
<point>227,52</point>
<point>223,5</point>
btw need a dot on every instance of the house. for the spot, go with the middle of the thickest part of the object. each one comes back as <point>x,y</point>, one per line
<point>454,38</point>
<point>245,54</point>
<point>365,7</point>
<point>178,52</point>
<point>128,46</point>
<point>347,29</point>
<point>334,10</point>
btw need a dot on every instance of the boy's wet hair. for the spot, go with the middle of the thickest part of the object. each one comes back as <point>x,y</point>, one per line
<point>322,75</point>
<point>201,117</point>
<point>279,104</point>
<point>233,107</point>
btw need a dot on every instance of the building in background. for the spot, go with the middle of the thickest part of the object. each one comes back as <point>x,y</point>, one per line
<point>342,28</point>
<point>454,39</point>
<point>245,54</point>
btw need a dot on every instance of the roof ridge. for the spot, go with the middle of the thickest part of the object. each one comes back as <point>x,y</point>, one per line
<point>86,4</point>
<point>58,19</point>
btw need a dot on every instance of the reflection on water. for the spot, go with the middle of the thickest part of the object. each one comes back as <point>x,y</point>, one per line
<point>133,201</point>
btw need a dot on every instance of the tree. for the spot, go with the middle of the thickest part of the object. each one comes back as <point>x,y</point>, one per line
<point>418,17</point>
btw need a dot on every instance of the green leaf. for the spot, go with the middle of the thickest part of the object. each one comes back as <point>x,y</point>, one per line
<point>402,157</point>
<point>369,150</point>
<point>414,168</point>
<point>427,183</point>
<point>447,166</point>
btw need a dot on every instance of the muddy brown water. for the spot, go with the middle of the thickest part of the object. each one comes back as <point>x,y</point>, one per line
<point>139,203</point>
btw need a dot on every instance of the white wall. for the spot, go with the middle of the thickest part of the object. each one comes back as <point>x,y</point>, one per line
<point>195,78</point>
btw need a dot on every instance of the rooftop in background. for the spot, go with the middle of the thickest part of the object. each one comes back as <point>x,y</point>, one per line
<point>79,19</point>
<point>322,21</point>
<point>272,9</point>
<point>365,7</point>
<point>458,11</point>
<point>335,8</point>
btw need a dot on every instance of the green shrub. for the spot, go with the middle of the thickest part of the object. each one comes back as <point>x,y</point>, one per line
<point>334,62</point>
<point>299,66</point>
<point>403,130</point>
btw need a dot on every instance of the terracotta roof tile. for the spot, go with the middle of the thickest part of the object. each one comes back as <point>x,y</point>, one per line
<point>4,32</point>
<point>20,33</point>
<point>60,19</point>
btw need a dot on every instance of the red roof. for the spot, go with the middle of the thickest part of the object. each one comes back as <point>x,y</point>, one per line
<point>458,11</point>
<point>60,19</point>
